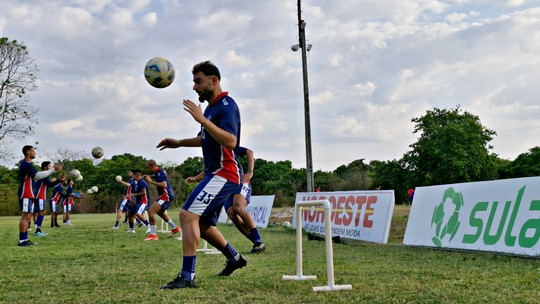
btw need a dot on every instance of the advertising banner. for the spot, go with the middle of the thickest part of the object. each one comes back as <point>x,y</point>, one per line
<point>499,216</point>
<point>358,215</point>
<point>260,208</point>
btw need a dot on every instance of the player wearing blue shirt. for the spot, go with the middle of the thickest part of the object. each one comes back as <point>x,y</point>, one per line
<point>57,194</point>
<point>219,136</point>
<point>40,204</point>
<point>165,196</point>
<point>236,205</point>
<point>126,201</point>
<point>68,203</point>
<point>27,175</point>
<point>140,198</point>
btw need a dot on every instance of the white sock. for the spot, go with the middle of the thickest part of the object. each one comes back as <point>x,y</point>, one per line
<point>171,224</point>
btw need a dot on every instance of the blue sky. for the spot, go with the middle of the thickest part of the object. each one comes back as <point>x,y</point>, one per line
<point>374,65</point>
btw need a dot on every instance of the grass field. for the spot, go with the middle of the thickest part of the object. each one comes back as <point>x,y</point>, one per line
<point>90,263</point>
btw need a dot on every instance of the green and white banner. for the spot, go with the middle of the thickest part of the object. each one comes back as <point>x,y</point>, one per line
<point>499,216</point>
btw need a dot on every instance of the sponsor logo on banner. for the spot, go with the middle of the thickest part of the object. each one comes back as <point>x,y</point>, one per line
<point>259,207</point>
<point>359,215</point>
<point>499,216</point>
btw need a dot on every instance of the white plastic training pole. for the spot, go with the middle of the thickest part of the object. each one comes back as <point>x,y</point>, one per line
<point>329,249</point>
<point>299,273</point>
<point>206,250</point>
<point>164,226</point>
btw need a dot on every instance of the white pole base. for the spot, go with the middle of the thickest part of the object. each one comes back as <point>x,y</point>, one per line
<point>332,288</point>
<point>298,277</point>
<point>206,250</point>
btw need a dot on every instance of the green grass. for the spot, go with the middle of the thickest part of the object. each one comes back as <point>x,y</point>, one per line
<point>90,263</point>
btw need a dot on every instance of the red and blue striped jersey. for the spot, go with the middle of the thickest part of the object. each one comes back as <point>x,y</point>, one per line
<point>165,194</point>
<point>218,160</point>
<point>27,171</point>
<point>58,192</point>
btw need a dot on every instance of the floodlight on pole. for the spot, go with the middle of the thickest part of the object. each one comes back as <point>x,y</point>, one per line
<point>302,45</point>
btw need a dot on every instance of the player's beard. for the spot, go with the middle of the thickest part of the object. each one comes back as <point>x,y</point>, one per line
<point>206,94</point>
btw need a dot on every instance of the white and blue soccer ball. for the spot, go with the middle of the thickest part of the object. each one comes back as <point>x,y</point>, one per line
<point>159,72</point>
<point>287,224</point>
<point>95,189</point>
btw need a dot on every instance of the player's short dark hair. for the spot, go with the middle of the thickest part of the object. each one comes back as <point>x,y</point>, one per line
<point>26,148</point>
<point>136,171</point>
<point>45,164</point>
<point>207,68</point>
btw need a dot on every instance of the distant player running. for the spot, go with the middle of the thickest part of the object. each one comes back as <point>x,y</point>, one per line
<point>236,205</point>
<point>139,205</point>
<point>165,196</point>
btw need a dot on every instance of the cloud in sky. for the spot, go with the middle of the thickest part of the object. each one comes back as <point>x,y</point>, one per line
<point>374,65</point>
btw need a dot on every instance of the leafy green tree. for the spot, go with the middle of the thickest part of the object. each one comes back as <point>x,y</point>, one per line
<point>326,180</point>
<point>392,175</point>
<point>453,147</point>
<point>17,77</point>
<point>191,166</point>
<point>525,165</point>
<point>354,176</point>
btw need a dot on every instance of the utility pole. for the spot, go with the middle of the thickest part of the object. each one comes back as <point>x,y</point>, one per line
<point>305,48</point>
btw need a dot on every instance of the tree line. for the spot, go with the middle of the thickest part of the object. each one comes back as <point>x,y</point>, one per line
<point>453,147</point>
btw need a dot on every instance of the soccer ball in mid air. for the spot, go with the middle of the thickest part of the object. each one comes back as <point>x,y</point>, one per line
<point>159,72</point>
<point>75,173</point>
<point>97,152</point>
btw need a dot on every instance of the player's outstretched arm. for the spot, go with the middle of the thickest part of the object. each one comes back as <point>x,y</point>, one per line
<point>171,143</point>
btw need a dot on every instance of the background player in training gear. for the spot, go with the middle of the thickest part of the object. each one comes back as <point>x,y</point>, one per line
<point>40,205</point>
<point>126,201</point>
<point>236,205</point>
<point>140,198</point>
<point>27,174</point>
<point>58,194</point>
<point>219,136</point>
<point>165,196</point>
<point>69,201</point>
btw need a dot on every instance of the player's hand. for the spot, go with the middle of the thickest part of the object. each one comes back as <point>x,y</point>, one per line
<point>194,109</point>
<point>190,180</point>
<point>147,178</point>
<point>167,143</point>
<point>247,177</point>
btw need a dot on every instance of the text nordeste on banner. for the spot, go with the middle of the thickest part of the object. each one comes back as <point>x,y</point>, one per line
<point>358,215</point>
